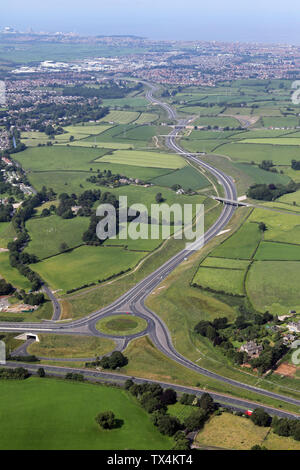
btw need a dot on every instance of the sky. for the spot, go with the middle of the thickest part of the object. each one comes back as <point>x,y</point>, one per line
<point>220,20</point>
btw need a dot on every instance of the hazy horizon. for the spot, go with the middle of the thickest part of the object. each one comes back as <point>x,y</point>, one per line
<point>256,21</point>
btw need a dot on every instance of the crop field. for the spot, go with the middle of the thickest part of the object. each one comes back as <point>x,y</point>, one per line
<point>232,432</point>
<point>265,133</point>
<point>146,118</point>
<point>227,280</point>
<point>61,181</point>
<point>121,325</point>
<point>146,159</point>
<point>58,158</point>
<point>146,196</point>
<point>279,154</point>
<point>227,263</point>
<point>96,143</point>
<point>281,227</point>
<point>260,176</point>
<point>75,181</point>
<point>85,265</point>
<point>277,251</point>
<point>84,130</point>
<point>187,177</point>
<point>126,239</point>
<point>216,134</point>
<point>283,122</point>
<point>276,141</point>
<point>143,132</point>
<point>71,346</point>
<point>202,145</point>
<point>237,111</point>
<point>68,413</point>
<point>12,275</point>
<point>240,245</point>
<point>33,139</point>
<point>220,121</point>
<point>48,233</point>
<point>120,117</point>
<point>286,199</point>
<point>274,286</point>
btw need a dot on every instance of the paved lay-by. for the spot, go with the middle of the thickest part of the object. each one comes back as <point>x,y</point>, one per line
<point>133,301</point>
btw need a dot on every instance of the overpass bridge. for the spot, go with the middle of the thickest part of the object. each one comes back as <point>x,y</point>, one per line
<point>231,202</point>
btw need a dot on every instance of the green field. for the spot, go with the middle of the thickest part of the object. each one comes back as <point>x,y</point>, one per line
<point>220,121</point>
<point>120,117</point>
<point>48,233</point>
<point>59,158</point>
<point>85,265</point>
<point>70,346</point>
<point>187,177</point>
<point>146,196</point>
<point>274,286</point>
<point>240,245</point>
<point>260,176</point>
<point>146,159</point>
<point>212,262</point>
<point>277,251</point>
<point>95,142</point>
<point>202,145</point>
<point>121,325</point>
<point>275,141</point>
<point>230,281</point>
<point>7,233</point>
<point>145,118</point>
<point>279,154</point>
<point>286,122</point>
<point>75,181</point>
<point>12,275</point>
<point>125,239</point>
<point>281,227</point>
<point>51,414</point>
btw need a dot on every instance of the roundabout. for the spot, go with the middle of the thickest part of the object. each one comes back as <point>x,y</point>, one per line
<point>121,325</point>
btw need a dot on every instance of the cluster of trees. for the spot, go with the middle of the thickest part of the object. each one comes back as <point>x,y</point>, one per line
<point>18,259</point>
<point>71,113</point>
<point>112,90</point>
<point>281,426</point>
<point>270,192</point>
<point>295,164</point>
<point>246,327</point>
<point>86,200</point>
<point>155,400</point>
<point>6,212</point>
<point>31,298</point>
<point>114,361</point>
<point>90,236</point>
<point>107,420</point>
<point>74,376</point>
<point>269,357</point>
<point>104,178</point>
<point>6,288</point>
<point>19,373</point>
<point>29,358</point>
<point>267,165</point>
<point>286,427</point>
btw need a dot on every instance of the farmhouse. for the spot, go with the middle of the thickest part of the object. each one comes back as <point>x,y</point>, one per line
<point>252,349</point>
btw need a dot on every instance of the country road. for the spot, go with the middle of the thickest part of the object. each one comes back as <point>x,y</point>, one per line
<point>133,301</point>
